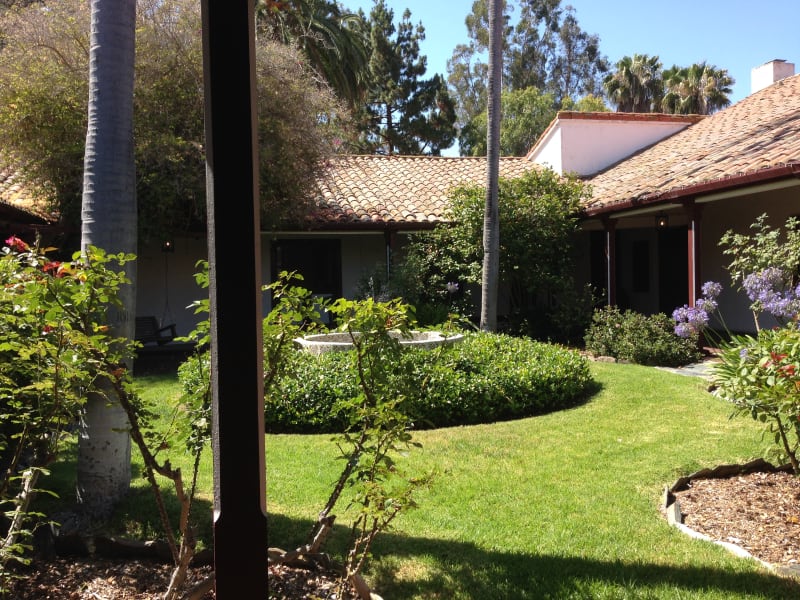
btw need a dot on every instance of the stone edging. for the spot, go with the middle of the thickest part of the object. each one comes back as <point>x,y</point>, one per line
<point>672,510</point>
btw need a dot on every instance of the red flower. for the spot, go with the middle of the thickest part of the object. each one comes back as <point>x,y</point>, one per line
<point>17,244</point>
<point>51,266</point>
<point>47,329</point>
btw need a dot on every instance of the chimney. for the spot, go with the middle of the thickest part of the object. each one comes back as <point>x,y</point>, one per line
<point>769,73</point>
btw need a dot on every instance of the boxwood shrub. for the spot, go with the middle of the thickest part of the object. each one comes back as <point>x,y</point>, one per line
<point>634,337</point>
<point>484,378</point>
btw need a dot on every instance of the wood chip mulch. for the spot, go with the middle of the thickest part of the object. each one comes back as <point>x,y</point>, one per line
<point>78,578</point>
<point>759,512</point>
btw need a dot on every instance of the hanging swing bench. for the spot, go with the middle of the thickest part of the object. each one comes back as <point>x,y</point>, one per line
<point>149,331</point>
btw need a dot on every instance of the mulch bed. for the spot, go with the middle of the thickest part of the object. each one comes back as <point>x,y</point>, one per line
<point>759,512</point>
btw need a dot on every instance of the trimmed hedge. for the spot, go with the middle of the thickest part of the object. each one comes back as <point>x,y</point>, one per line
<point>634,337</point>
<point>484,378</point>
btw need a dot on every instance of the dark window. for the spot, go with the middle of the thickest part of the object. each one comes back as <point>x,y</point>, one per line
<point>319,261</point>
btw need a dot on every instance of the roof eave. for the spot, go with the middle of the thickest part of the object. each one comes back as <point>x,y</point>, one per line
<point>731,183</point>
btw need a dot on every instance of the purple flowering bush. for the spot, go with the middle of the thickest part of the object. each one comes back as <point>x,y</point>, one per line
<point>760,374</point>
<point>770,291</point>
<point>690,321</point>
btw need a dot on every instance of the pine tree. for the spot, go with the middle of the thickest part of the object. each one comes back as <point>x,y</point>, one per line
<point>405,113</point>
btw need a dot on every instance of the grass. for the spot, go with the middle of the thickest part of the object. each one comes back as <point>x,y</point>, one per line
<point>558,506</point>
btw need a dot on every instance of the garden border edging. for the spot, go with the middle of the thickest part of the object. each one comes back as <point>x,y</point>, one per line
<point>672,510</point>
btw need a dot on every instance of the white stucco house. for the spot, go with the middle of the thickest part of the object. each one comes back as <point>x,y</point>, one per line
<point>664,190</point>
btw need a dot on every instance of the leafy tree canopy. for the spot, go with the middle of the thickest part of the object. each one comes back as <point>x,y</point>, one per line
<point>639,83</point>
<point>700,89</point>
<point>545,48</point>
<point>404,113</point>
<point>526,114</point>
<point>537,212</point>
<point>334,40</point>
<point>44,91</point>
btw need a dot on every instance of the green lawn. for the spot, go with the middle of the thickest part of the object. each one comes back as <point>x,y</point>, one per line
<point>557,506</point>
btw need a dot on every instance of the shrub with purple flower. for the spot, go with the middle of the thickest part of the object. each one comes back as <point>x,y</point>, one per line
<point>760,374</point>
<point>691,320</point>
<point>770,291</point>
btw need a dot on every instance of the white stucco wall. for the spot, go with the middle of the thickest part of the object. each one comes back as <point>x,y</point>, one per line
<point>586,146</point>
<point>166,286</point>
<point>738,214</point>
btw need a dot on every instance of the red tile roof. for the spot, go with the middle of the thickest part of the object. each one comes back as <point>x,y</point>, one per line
<point>15,199</point>
<point>409,191</point>
<point>756,139</point>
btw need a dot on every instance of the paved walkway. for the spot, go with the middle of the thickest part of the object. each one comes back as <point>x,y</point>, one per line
<point>698,369</point>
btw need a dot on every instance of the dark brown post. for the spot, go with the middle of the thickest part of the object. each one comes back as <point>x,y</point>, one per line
<point>610,227</point>
<point>693,213</point>
<point>240,527</point>
<point>389,242</point>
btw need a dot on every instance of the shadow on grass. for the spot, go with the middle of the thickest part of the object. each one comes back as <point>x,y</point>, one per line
<point>136,516</point>
<point>405,567</point>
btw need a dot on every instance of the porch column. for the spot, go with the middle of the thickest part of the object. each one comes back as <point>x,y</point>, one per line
<point>610,227</point>
<point>693,214</point>
<point>389,241</point>
<point>240,524</point>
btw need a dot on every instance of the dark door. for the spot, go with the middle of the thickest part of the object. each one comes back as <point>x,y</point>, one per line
<point>319,261</point>
<point>673,270</point>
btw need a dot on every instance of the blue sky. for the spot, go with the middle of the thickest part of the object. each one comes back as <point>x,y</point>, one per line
<point>732,34</point>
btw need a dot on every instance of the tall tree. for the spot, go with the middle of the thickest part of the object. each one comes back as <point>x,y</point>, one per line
<point>108,221</point>
<point>490,277</point>
<point>468,79</point>
<point>526,114</point>
<point>333,40</point>
<point>545,49</point>
<point>700,89</point>
<point>578,67</point>
<point>43,89</point>
<point>636,85</point>
<point>404,114</point>
<point>533,44</point>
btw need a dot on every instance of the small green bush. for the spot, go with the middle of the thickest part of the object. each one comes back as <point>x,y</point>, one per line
<point>484,378</point>
<point>645,340</point>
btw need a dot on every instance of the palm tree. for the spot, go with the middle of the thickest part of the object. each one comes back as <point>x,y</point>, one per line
<point>334,42</point>
<point>491,221</point>
<point>636,85</point>
<point>108,221</point>
<point>701,89</point>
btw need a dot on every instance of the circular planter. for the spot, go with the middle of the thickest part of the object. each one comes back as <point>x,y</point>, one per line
<point>333,342</point>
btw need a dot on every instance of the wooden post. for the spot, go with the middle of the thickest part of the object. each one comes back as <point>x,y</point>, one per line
<point>610,228</point>
<point>240,526</point>
<point>693,213</point>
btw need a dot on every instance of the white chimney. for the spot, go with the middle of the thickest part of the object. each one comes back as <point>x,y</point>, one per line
<point>769,73</point>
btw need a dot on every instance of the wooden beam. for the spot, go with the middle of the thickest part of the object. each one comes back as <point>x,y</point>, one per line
<point>693,216</point>
<point>240,526</point>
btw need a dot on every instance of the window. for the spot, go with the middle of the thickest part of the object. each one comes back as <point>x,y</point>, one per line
<point>318,260</point>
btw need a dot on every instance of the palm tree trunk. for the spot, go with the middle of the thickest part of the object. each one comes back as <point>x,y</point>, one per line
<point>491,224</point>
<point>108,221</point>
